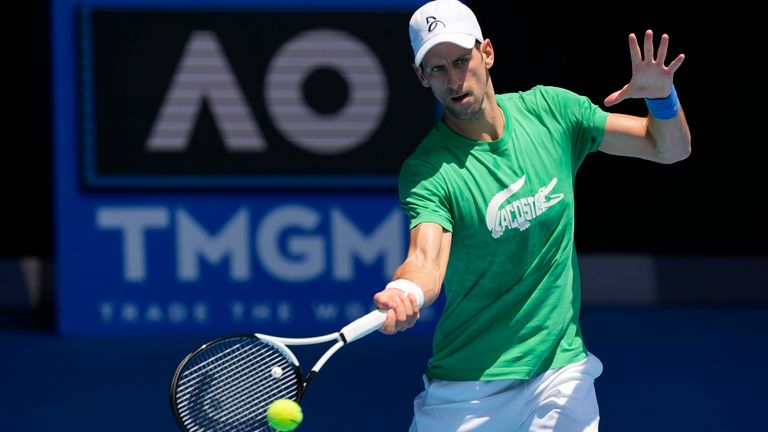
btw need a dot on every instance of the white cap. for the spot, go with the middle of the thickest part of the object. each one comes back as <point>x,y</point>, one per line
<point>442,21</point>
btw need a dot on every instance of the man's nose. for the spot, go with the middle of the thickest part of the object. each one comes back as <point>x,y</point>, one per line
<point>455,80</point>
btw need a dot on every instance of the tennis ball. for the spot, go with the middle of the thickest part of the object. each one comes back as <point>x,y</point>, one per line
<point>284,415</point>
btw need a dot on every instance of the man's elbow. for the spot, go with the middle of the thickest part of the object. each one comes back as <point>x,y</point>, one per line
<point>677,154</point>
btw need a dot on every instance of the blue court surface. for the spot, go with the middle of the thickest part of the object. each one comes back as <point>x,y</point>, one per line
<point>666,369</point>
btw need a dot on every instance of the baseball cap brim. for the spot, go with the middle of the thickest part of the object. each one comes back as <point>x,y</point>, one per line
<point>461,39</point>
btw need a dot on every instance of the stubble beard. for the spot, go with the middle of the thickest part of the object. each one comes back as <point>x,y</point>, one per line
<point>473,112</point>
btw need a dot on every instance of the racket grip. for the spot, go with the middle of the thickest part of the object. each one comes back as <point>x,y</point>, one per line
<point>364,325</point>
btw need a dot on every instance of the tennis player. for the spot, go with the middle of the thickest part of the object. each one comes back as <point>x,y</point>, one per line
<point>490,197</point>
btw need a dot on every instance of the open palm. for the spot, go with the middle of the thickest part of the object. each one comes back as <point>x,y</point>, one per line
<point>650,78</point>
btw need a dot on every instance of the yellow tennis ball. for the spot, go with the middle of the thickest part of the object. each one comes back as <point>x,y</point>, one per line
<point>284,415</point>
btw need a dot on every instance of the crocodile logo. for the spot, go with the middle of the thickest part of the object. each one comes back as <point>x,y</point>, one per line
<point>519,213</point>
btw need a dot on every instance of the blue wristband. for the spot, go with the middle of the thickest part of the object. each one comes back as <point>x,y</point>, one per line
<point>664,108</point>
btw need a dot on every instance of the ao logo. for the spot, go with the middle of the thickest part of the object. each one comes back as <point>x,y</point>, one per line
<point>205,75</point>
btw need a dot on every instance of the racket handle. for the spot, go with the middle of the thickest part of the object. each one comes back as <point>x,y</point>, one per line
<point>364,325</point>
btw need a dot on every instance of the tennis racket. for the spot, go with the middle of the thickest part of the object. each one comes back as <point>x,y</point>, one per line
<point>228,383</point>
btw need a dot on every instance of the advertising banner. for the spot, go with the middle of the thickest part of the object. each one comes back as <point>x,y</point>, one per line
<point>229,166</point>
<point>247,99</point>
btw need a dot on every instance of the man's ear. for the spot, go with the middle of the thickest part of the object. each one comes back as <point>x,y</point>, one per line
<point>487,49</point>
<point>420,75</point>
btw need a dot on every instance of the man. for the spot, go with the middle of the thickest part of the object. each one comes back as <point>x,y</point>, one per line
<point>489,194</point>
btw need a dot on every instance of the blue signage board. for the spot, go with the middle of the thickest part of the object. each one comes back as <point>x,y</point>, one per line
<point>294,264</point>
<point>203,185</point>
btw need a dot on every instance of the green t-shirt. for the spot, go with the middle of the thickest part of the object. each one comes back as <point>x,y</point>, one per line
<point>512,284</point>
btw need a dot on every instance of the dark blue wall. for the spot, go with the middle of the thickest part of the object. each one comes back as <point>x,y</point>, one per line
<point>666,369</point>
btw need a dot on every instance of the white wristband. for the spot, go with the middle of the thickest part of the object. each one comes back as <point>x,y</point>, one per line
<point>407,286</point>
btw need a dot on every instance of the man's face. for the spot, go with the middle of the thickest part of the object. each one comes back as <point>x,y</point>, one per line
<point>458,78</point>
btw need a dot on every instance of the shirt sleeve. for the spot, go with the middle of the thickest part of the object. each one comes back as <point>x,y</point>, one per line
<point>423,194</point>
<point>583,120</point>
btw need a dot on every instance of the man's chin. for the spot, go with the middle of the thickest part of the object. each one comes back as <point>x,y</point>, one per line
<point>463,113</point>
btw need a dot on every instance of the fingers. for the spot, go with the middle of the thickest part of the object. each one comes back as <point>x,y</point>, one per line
<point>383,300</point>
<point>661,55</point>
<point>616,97</point>
<point>402,310</point>
<point>406,311</point>
<point>650,77</point>
<point>412,308</point>
<point>676,63</point>
<point>648,46</point>
<point>415,305</point>
<point>634,50</point>
<point>390,324</point>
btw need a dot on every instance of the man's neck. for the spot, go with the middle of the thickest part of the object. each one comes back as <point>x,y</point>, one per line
<point>488,126</point>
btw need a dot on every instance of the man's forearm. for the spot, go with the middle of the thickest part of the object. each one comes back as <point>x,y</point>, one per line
<point>427,277</point>
<point>672,139</point>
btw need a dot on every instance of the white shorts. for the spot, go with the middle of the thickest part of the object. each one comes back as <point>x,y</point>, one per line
<point>561,400</point>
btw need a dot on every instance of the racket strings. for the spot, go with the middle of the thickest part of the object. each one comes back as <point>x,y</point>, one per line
<point>237,395</point>
<point>236,361</point>
<point>238,403</point>
<point>228,386</point>
<point>222,361</point>
<point>242,401</point>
